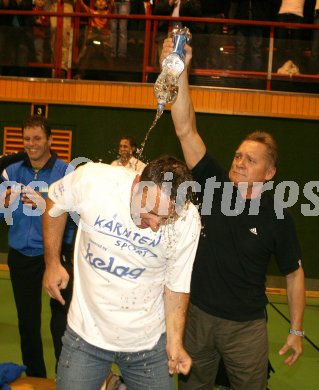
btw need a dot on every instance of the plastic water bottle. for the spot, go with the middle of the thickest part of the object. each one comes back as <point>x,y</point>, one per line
<point>166,85</point>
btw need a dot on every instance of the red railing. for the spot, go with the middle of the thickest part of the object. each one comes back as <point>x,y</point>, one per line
<point>149,63</point>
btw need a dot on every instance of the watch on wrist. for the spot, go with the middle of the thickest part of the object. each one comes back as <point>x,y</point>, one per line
<point>295,332</point>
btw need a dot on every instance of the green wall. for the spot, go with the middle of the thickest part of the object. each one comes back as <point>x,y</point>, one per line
<point>96,131</point>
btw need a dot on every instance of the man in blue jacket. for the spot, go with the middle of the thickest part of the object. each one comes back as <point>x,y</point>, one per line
<point>23,192</point>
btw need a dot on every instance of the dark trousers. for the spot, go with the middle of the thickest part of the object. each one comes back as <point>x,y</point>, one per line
<point>314,60</point>
<point>289,40</point>
<point>26,275</point>
<point>243,346</point>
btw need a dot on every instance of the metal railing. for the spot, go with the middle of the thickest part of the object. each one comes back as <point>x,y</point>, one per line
<point>143,59</point>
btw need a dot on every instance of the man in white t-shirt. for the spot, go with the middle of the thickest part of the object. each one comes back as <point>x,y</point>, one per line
<point>127,150</point>
<point>133,259</point>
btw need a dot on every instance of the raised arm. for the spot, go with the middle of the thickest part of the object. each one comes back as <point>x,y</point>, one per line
<point>84,6</point>
<point>296,303</point>
<point>183,113</point>
<point>55,277</point>
<point>176,304</point>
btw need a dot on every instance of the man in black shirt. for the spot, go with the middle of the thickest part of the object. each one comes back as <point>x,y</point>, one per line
<point>242,228</point>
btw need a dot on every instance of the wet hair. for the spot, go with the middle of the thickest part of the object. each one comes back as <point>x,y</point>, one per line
<point>170,170</point>
<point>266,139</point>
<point>37,121</point>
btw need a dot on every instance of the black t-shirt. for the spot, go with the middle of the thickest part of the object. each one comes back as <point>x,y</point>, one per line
<point>9,159</point>
<point>235,247</point>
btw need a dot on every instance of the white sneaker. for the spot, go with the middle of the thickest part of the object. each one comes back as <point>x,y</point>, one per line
<point>288,68</point>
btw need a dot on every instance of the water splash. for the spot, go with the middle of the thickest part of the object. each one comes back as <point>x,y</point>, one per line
<point>140,152</point>
<point>165,91</point>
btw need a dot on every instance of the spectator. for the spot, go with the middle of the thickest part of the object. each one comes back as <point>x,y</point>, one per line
<point>314,61</point>
<point>6,49</point>
<point>137,27</point>
<point>177,8</point>
<point>22,38</point>
<point>99,27</point>
<point>98,37</point>
<point>23,192</point>
<point>211,40</point>
<point>41,32</point>
<point>290,40</point>
<point>127,155</point>
<point>67,35</point>
<point>249,39</point>
<point>119,29</point>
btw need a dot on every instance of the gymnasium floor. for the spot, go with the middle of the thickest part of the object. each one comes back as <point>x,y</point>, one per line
<point>304,375</point>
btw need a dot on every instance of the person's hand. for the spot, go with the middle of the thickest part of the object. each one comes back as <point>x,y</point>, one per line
<point>168,46</point>
<point>11,195</point>
<point>294,343</point>
<point>32,198</point>
<point>179,361</point>
<point>55,279</point>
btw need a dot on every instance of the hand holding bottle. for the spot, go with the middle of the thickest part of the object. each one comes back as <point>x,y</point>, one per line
<point>166,85</point>
<point>168,47</point>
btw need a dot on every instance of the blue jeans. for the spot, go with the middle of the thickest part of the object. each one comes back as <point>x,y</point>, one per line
<point>249,41</point>
<point>83,366</point>
<point>119,44</point>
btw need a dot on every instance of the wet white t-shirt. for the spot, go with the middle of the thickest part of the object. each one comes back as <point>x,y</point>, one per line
<point>120,270</point>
